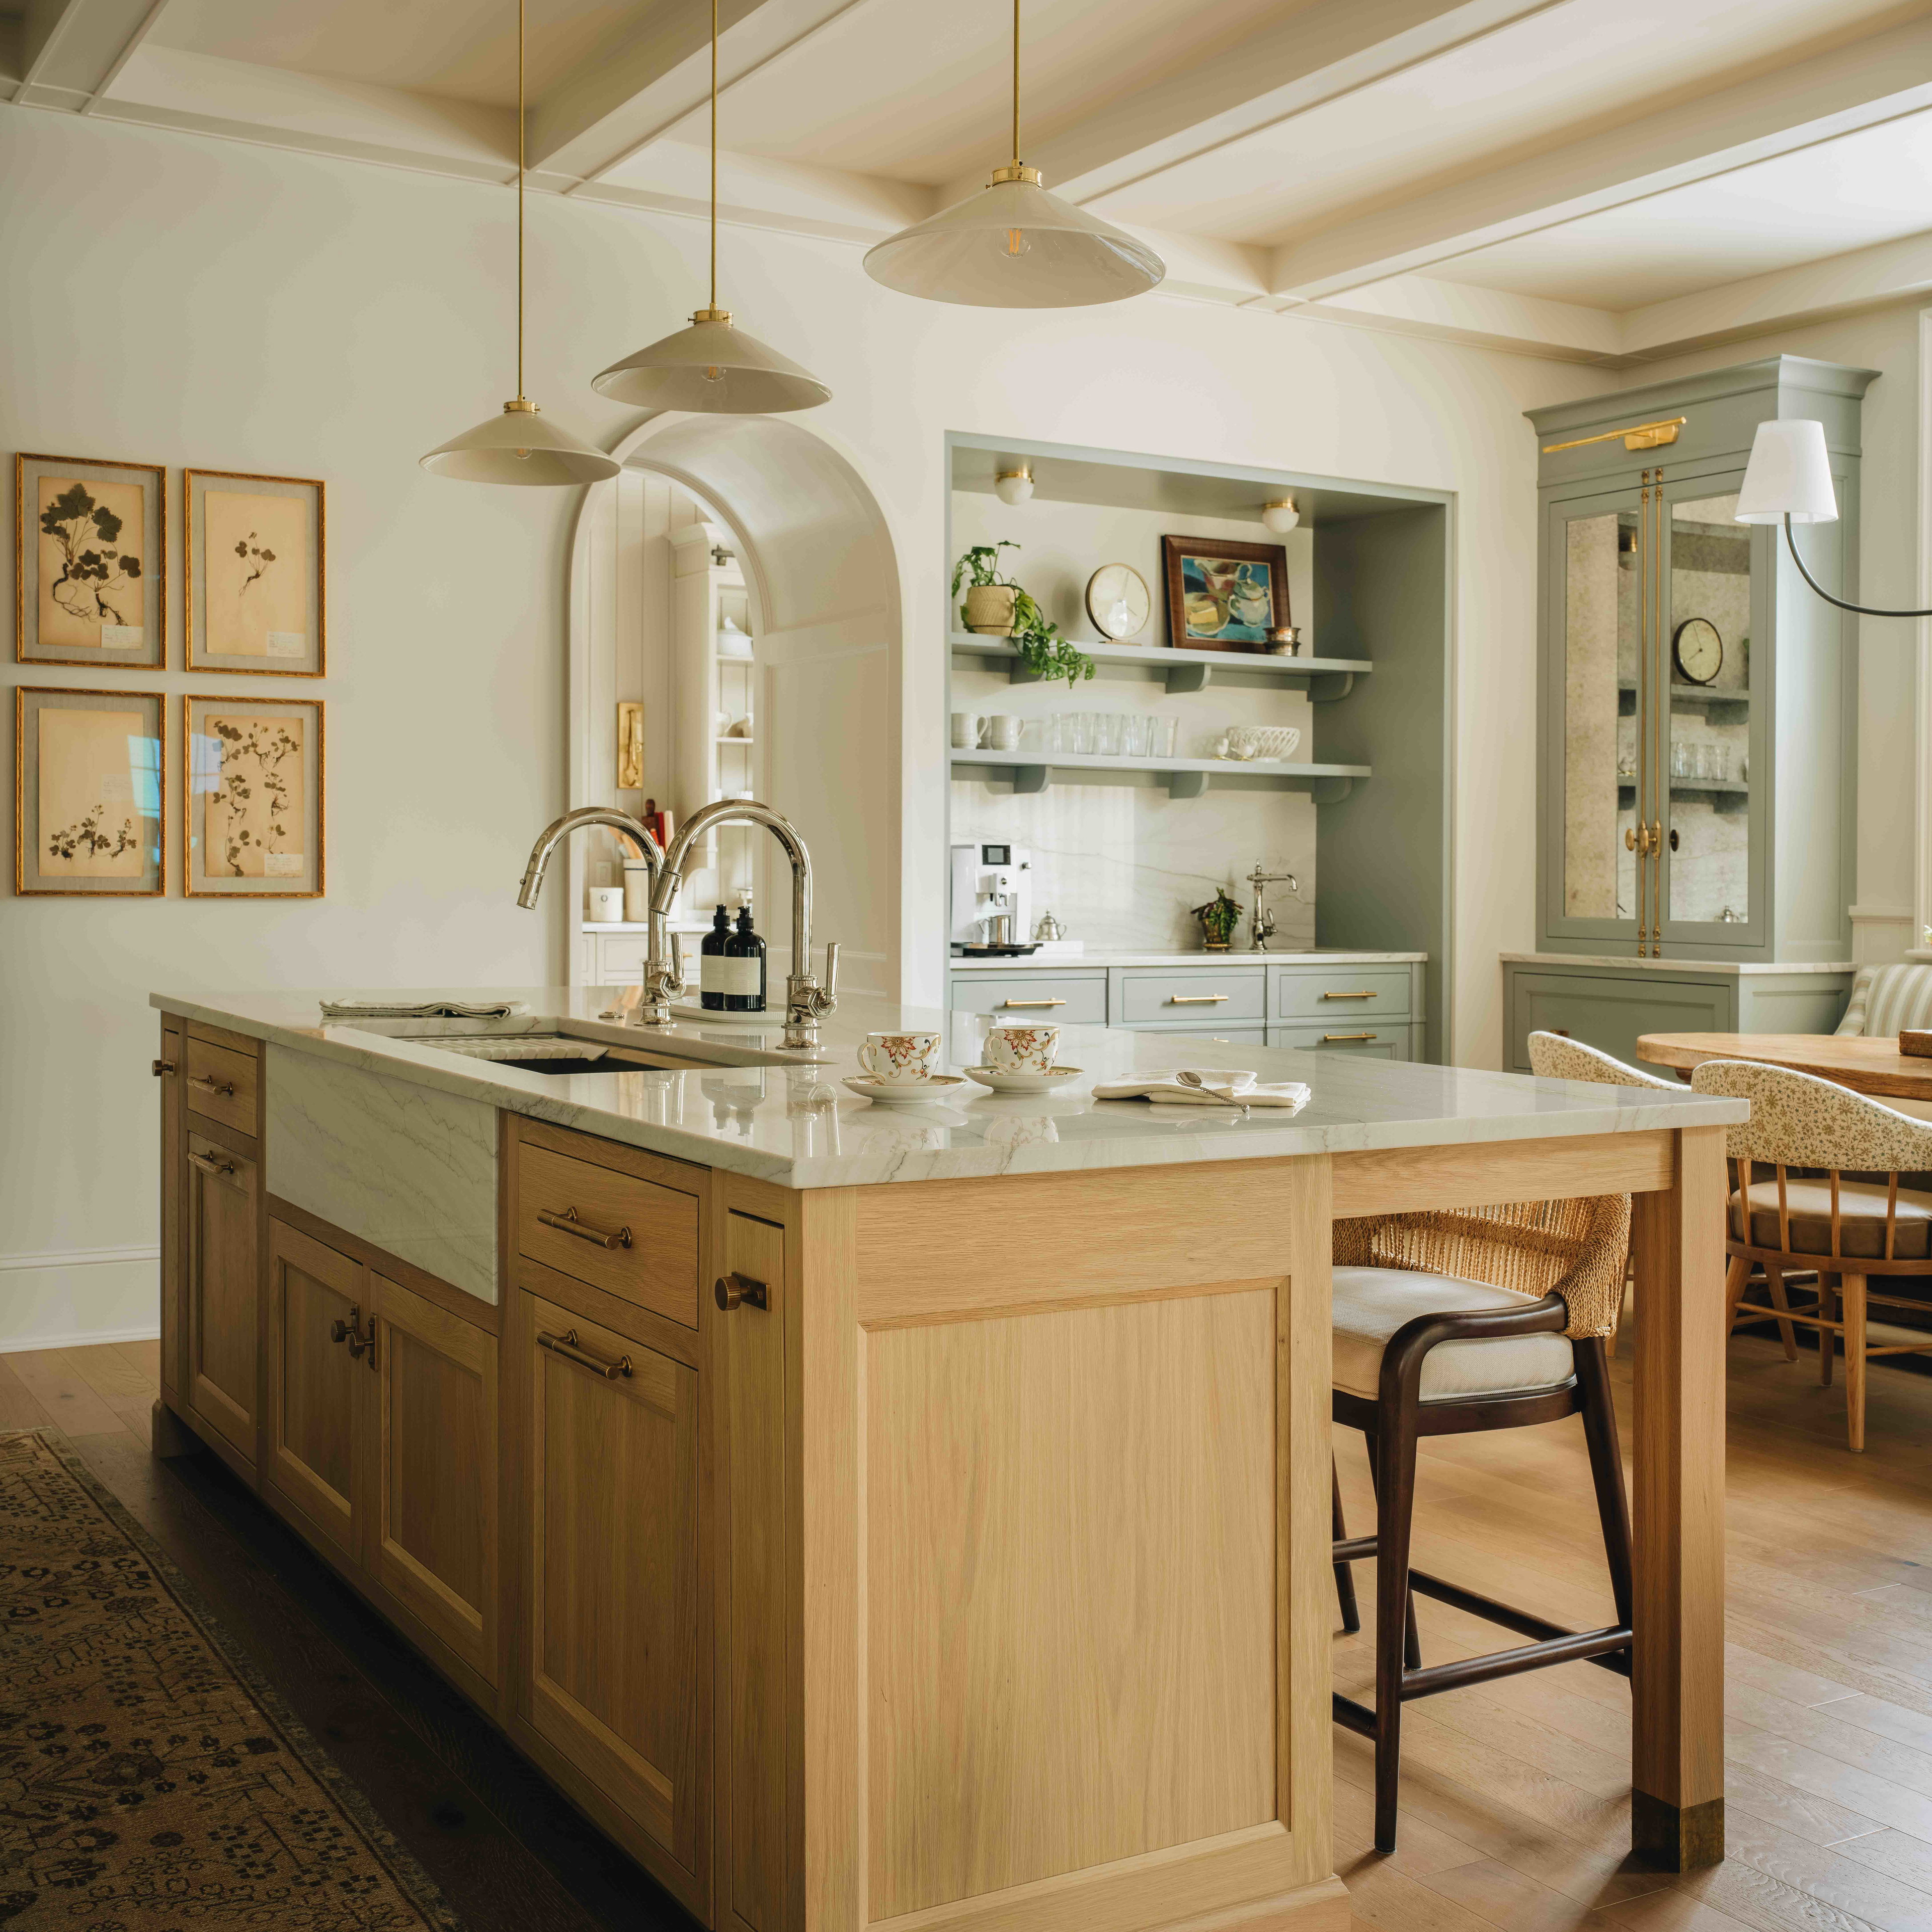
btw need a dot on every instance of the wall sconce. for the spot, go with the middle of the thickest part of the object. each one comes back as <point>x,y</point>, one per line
<point>1281,516</point>
<point>1013,486</point>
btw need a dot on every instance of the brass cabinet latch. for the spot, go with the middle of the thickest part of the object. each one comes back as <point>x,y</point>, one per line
<point>732,1289</point>
<point>351,1332</point>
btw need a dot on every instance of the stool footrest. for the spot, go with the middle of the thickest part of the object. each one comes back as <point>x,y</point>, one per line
<point>1593,1645</point>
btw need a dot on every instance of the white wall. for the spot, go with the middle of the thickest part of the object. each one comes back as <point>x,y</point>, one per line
<point>182,300</point>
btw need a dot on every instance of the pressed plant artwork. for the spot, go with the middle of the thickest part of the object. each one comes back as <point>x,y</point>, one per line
<point>257,597</point>
<point>90,773</point>
<point>91,544</point>
<point>254,797</point>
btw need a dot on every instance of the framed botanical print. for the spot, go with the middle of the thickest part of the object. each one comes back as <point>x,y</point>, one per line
<point>252,782</point>
<point>255,598</point>
<point>1223,596</point>
<point>90,562</point>
<point>89,786</point>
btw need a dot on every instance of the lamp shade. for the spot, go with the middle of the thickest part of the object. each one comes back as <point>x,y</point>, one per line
<point>519,446</point>
<point>712,367</point>
<point>1281,516</point>
<point>1013,245</point>
<point>1789,474</point>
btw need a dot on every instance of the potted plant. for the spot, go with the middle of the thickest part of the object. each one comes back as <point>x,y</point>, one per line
<point>1218,918</point>
<point>996,606</point>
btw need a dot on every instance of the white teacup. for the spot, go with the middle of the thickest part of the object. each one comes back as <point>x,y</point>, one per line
<point>900,1059</point>
<point>1022,1049</point>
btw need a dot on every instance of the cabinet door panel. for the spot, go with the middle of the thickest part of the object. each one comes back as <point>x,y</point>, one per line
<point>432,1504</point>
<point>222,1293</point>
<point>174,1190</point>
<point>612,1589</point>
<point>313,1383</point>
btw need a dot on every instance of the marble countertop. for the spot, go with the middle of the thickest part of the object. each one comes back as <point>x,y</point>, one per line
<point>1311,955</point>
<point>794,1123</point>
<point>1733,967</point>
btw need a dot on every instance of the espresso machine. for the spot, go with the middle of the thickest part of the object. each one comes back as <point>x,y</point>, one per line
<point>991,908</point>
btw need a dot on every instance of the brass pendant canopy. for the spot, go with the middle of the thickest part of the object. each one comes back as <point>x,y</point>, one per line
<point>712,366</point>
<point>517,446</point>
<point>1012,245</point>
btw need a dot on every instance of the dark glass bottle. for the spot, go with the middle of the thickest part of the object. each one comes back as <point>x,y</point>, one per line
<point>711,967</point>
<point>745,975</point>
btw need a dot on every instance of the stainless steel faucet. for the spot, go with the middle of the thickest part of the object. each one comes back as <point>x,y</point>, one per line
<point>662,977</point>
<point>1262,920</point>
<point>806,999</point>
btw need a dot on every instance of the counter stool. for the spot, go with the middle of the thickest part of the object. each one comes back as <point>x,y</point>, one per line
<point>1445,1323</point>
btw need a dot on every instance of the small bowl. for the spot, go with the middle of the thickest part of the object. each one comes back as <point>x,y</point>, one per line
<point>1252,743</point>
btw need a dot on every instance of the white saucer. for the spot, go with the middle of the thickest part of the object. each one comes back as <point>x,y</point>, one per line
<point>1012,1080</point>
<point>905,1093</point>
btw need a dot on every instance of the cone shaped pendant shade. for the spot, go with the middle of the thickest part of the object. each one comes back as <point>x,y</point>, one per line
<point>712,366</point>
<point>1013,245</point>
<point>518,446</point>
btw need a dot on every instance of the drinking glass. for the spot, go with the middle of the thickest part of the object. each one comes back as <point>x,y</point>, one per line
<point>1079,733</point>
<point>1139,737</point>
<point>1166,732</point>
<point>1107,734</point>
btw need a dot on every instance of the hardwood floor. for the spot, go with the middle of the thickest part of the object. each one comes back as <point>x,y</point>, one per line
<point>1515,1795</point>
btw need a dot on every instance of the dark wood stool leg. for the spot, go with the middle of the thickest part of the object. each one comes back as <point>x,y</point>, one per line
<point>1606,1469</point>
<point>1395,1607</point>
<point>1411,1641</point>
<point>1344,1577</point>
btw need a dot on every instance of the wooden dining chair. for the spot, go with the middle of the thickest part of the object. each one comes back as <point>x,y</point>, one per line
<point>1844,1214</point>
<point>1445,1323</point>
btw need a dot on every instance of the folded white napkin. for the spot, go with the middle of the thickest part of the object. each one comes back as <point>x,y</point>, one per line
<point>424,1009</point>
<point>1219,1086</point>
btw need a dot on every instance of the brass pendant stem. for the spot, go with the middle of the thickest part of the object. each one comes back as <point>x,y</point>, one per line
<point>714,153</point>
<point>1016,83</point>
<point>520,200</point>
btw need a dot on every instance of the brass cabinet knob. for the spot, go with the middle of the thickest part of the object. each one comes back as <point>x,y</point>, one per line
<point>158,1067</point>
<point>732,1289</point>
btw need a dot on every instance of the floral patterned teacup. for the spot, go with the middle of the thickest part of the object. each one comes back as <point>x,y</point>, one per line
<point>1022,1049</point>
<point>900,1059</point>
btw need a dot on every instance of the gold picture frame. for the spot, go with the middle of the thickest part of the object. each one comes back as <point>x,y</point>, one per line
<point>254,777</point>
<point>96,556</point>
<point>257,548</point>
<point>90,798</point>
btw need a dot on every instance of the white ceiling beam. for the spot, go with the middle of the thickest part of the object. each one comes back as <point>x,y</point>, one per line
<point>71,49</point>
<point>1815,98</point>
<point>1480,318</point>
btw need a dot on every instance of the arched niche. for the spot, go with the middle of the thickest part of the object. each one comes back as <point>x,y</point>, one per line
<point>822,585</point>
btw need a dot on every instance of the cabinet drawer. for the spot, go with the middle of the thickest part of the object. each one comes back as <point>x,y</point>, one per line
<point>1609,1012</point>
<point>1341,1036</point>
<point>1206,1033</point>
<point>629,1237</point>
<point>1213,993</point>
<point>1064,999</point>
<point>221,1083</point>
<point>1351,996</point>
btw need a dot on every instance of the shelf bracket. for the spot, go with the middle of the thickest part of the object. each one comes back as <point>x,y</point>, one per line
<point>1186,784</point>
<point>1028,778</point>
<point>1018,671</point>
<point>1325,687</point>
<point>1330,791</point>
<point>1184,678</point>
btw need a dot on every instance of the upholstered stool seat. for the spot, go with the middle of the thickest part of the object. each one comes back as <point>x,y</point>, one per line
<point>1371,1303</point>
<point>1864,1208</point>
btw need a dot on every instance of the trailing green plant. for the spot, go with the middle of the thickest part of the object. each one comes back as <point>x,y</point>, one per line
<point>1042,650</point>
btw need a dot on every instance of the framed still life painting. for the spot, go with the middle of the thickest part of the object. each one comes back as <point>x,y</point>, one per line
<point>90,557</point>
<point>252,782</point>
<point>1222,595</point>
<point>90,784</point>
<point>255,600</point>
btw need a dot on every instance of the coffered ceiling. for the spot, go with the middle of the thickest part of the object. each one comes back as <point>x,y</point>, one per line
<point>1602,181</point>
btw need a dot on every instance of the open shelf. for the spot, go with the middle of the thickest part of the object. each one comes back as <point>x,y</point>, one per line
<point>1186,778</point>
<point>1325,679</point>
<point>1695,696</point>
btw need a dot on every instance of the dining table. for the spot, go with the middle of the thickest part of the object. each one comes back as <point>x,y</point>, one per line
<point>1873,1066</point>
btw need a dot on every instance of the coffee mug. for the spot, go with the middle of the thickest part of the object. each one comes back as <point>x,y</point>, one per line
<point>965,731</point>
<point>900,1059</point>
<point>1003,732</point>
<point>1022,1049</point>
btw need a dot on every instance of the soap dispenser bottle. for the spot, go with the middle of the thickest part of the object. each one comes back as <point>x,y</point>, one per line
<point>712,969</point>
<point>745,952</point>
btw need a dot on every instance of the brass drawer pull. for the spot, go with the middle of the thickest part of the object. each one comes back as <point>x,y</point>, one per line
<point>568,1223</point>
<point>1351,996</point>
<point>732,1290</point>
<point>1005,1004</point>
<point>208,1164</point>
<point>158,1067</point>
<point>567,1345</point>
<point>208,1084</point>
<point>1348,1035</point>
<point>1195,999</point>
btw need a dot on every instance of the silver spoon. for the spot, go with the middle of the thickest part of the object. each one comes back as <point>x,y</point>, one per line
<point>1189,1078</point>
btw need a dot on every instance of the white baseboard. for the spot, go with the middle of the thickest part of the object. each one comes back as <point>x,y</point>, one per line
<point>79,1297</point>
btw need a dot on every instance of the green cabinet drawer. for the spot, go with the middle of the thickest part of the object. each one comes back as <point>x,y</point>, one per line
<point>1342,1035</point>
<point>1610,1011</point>
<point>1207,1034</point>
<point>1068,999</point>
<point>1158,996</point>
<point>1338,995</point>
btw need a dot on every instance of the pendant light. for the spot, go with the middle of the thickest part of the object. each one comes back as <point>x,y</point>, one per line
<point>712,366</point>
<point>517,446</point>
<point>1012,245</point>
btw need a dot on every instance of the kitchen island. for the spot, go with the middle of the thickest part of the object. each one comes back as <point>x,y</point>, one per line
<point>909,1517</point>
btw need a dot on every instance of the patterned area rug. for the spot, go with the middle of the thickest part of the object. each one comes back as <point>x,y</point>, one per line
<point>151,1781</point>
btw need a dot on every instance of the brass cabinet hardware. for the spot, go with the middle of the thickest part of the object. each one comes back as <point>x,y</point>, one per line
<point>1348,1035</point>
<point>568,1223</point>
<point>158,1067</point>
<point>732,1289</point>
<point>208,1164</point>
<point>1004,1004</point>
<point>1351,996</point>
<point>369,1343</point>
<point>208,1084</point>
<point>1195,999</point>
<point>567,1345</point>
<point>351,1332</point>
<point>1638,436</point>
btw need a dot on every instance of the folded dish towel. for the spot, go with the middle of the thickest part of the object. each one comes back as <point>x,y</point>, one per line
<point>426,1010</point>
<point>1207,1087</point>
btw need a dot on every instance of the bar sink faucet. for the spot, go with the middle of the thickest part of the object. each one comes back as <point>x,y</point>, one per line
<point>806,999</point>
<point>663,976</point>
<point>1263,920</point>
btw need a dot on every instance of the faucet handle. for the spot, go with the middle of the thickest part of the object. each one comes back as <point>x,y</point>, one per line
<point>676,962</point>
<point>825,997</point>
